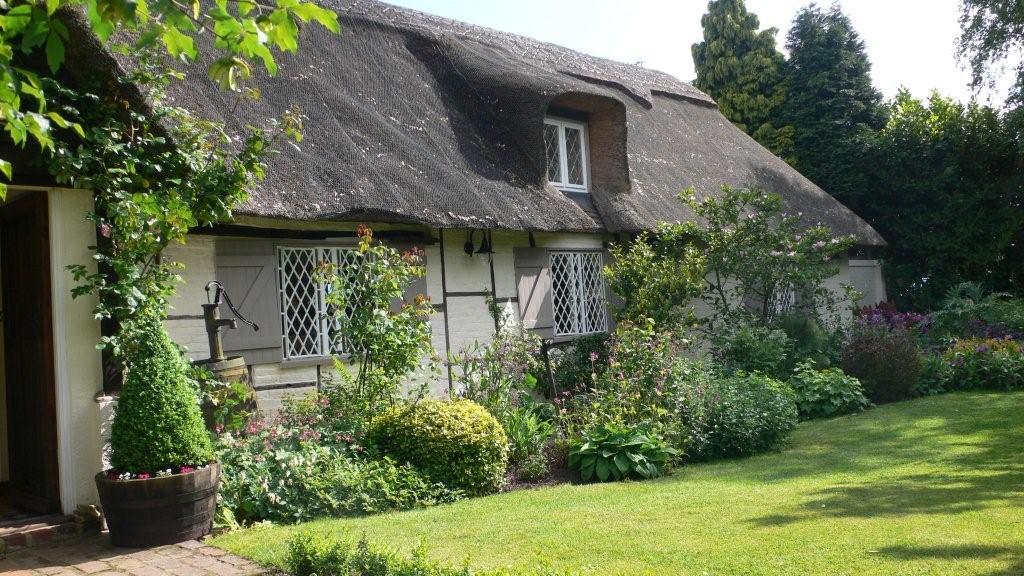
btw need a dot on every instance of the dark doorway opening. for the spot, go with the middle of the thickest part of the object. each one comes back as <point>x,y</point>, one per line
<point>32,474</point>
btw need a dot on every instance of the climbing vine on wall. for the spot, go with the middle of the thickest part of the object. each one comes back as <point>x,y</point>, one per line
<point>156,171</point>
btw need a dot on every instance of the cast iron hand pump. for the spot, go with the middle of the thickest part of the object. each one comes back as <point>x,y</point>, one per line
<point>214,323</point>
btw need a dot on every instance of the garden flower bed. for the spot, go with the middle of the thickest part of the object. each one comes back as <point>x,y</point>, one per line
<point>929,486</point>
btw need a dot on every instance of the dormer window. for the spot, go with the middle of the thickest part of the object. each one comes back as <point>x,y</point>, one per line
<point>565,145</point>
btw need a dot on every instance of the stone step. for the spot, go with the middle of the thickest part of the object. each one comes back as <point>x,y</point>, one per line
<point>27,531</point>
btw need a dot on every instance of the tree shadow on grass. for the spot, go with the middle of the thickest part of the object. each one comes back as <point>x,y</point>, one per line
<point>924,430</point>
<point>1013,556</point>
<point>977,450</point>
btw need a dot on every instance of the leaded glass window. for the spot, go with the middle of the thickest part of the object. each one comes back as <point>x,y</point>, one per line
<point>308,331</point>
<point>565,148</point>
<point>577,293</point>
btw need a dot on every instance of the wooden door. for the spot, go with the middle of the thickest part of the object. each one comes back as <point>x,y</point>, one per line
<point>28,354</point>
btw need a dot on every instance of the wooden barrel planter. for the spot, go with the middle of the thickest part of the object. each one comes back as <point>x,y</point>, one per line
<point>158,511</point>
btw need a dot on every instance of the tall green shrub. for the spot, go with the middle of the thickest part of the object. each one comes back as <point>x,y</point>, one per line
<point>157,424</point>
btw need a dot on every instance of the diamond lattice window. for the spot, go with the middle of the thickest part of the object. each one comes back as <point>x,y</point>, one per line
<point>577,293</point>
<point>565,148</point>
<point>308,331</point>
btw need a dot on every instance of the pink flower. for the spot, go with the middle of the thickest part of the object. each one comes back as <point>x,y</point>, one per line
<point>186,470</point>
<point>143,475</point>
<point>105,230</point>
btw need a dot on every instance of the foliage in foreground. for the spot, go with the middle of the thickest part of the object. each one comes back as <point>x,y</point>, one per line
<point>313,555</point>
<point>455,442</point>
<point>304,464</point>
<point>244,35</point>
<point>157,424</point>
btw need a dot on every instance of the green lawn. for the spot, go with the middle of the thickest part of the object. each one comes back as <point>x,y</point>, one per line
<point>931,486</point>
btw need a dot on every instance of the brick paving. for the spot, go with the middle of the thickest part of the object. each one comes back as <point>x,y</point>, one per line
<point>93,555</point>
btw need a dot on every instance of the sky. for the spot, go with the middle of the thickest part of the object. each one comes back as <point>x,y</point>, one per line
<point>911,43</point>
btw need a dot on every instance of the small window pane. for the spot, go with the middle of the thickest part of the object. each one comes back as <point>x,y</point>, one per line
<point>574,155</point>
<point>552,153</point>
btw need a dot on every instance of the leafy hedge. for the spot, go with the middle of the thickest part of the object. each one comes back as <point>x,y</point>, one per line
<point>457,443</point>
<point>737,416</point>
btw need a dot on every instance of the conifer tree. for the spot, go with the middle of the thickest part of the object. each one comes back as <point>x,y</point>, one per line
<point>830,101</point>
<point>739,66</point>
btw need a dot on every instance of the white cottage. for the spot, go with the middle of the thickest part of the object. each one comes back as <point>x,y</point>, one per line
<point>512,162</point>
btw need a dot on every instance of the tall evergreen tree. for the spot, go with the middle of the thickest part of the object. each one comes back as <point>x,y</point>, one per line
<point>830,101</point>
<point>739,66</point>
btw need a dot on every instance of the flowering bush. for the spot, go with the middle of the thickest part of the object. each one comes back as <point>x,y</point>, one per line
<point>385,347</point>
<point>500,374</point>
<point>825,393</point>
<point>297,466</point>
<point>759,262</point>
<point>886,315</point>
<point>996,364</point>
<point>735,416</point>
<point>575,364</point>
<point>635,388</point>
<point>457,443</point>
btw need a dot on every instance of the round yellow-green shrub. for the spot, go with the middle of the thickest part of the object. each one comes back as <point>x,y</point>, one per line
<point>455,442</point>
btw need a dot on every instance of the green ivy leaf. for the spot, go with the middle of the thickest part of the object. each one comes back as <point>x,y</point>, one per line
<point>54,51</point>
<point>179,45</point>
<point>307,11</point>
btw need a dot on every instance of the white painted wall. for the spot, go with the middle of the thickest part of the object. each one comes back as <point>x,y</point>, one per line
<point>866,277</point>
<point>76,333</point>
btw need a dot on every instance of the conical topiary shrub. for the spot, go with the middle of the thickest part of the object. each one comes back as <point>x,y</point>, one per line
<point>158,424</point>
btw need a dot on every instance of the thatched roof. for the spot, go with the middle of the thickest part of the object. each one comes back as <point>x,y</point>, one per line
<point>416,118</point>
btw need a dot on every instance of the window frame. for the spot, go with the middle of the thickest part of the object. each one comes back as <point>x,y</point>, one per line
<point>561,124</point>
<point>602,324</point>
<point>325,344</point>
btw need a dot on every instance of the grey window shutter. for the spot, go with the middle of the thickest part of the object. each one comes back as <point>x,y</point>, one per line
<point>251,281</point>
<point>533,279</point>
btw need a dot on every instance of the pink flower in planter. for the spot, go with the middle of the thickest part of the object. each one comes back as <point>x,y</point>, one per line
<point>143,475</point>
<point>186,470</point>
